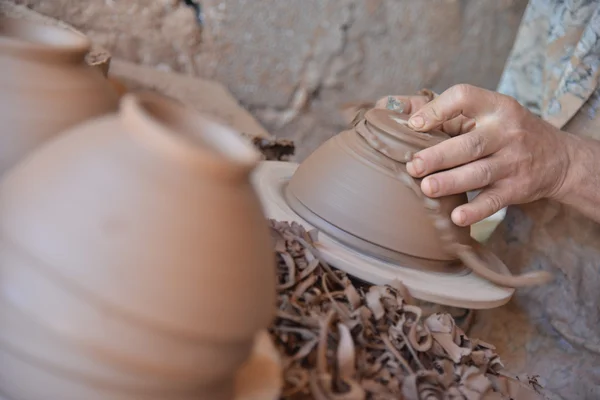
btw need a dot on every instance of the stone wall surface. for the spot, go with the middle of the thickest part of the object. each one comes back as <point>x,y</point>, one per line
<point>292,63</point>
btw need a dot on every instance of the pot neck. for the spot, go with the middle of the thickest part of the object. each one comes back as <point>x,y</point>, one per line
<point>42,42</point>
<point>177,133</point>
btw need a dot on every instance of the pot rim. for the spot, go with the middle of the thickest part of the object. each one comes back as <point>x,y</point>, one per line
<point>42,41</point>
<point>181,133</point>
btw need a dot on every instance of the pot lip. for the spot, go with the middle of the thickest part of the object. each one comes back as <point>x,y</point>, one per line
<point>41,40</point>
<point>393,124</point>
<point>179,132</point>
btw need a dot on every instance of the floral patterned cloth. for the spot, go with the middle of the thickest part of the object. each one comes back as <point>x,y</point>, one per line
<point>555,63</point>
<point>553,331</point>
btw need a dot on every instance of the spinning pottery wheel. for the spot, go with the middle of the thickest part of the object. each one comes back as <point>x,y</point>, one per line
<point>376,224</point>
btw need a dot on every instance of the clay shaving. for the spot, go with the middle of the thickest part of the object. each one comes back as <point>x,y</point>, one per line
<point>273,149</point>
<point>345,340</point>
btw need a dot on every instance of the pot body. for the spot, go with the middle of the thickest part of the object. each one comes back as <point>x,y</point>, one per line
<point>103,345</point>
<point>138,240</point>
<point>359,191</point>
<point>45,86</point>
<point>22,380</point>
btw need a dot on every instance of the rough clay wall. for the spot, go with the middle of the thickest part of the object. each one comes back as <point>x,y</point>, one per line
<point>293,62</point>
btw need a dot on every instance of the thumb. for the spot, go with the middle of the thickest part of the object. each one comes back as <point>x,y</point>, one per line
<point>469,101</point>
<point>407,104</point>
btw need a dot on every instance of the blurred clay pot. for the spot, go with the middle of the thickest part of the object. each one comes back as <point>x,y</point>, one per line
<point>21,379</point>
<point>123,354</point>
<point>45,86</point>
<point>139,239</point>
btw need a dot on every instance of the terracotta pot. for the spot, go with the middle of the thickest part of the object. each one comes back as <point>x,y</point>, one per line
<point>21,379</point>
<point>348,185</point>
<point>123,353</point>
<point>45,86</point>
<point>141,231</point>
<point>355,188</point>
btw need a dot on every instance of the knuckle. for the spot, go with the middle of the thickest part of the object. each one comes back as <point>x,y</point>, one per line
<point>511,108</point>
<point>508,102</point>
<point>517,141</point>
<point>526,186</point>
<point>474,145</point>
<point>494,202</point>
<point>467,124</point>
<point>522,155</point>
<point>462,91</point>
<point>484,173</point>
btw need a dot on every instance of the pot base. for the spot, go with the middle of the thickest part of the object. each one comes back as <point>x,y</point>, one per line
<point>365,247</point>
<point>459,289</point>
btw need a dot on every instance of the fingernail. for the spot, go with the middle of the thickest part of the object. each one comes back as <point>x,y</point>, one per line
<point>416,121</point>
<point>394,105</point>
<point>432,184</point>
<point>459,217</point>
<point>415,167</point>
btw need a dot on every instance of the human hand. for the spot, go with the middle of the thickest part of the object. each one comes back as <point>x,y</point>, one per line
<point>501,147</point>
<point>411,104</point>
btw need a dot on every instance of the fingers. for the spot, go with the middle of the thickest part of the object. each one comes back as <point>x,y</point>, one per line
<point>472,176</point>
<point>487,203</point>
<point>459,125</point>
<point>467,100</point>
<point>453,152</point>
<point>409,104</point>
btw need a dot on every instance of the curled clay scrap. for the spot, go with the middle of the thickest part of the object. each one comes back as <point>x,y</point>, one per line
<point>378,347</point>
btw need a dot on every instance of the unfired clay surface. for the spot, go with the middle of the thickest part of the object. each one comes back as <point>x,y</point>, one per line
<point>356,188</point>
<point>463,289</point>
<point>116,241</point>
<point>45,86</point>
<point>353,187</point>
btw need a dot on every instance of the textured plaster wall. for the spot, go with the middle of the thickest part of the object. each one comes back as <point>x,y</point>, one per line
<point>293,62</point>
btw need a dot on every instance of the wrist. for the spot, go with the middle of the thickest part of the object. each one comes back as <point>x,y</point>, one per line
<point>576,154</point>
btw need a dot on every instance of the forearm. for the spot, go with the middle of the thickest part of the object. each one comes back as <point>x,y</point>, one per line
<point>581,188</point>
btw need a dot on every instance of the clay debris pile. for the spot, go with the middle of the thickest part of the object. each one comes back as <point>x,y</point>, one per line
<point>343,340</point>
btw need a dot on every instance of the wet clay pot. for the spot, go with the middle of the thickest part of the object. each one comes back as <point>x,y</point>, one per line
<point>355,188</point>
<point>136,241</point>
<point>45,86</point>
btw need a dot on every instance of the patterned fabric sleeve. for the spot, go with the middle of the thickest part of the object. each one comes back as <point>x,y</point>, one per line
<point>554,66</point>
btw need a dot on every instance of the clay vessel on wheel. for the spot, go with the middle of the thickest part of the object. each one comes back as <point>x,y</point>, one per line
<point>355,188</point>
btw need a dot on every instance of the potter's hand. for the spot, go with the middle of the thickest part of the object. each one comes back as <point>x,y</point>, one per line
<point>502,148</point>
<point>411,104</point>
